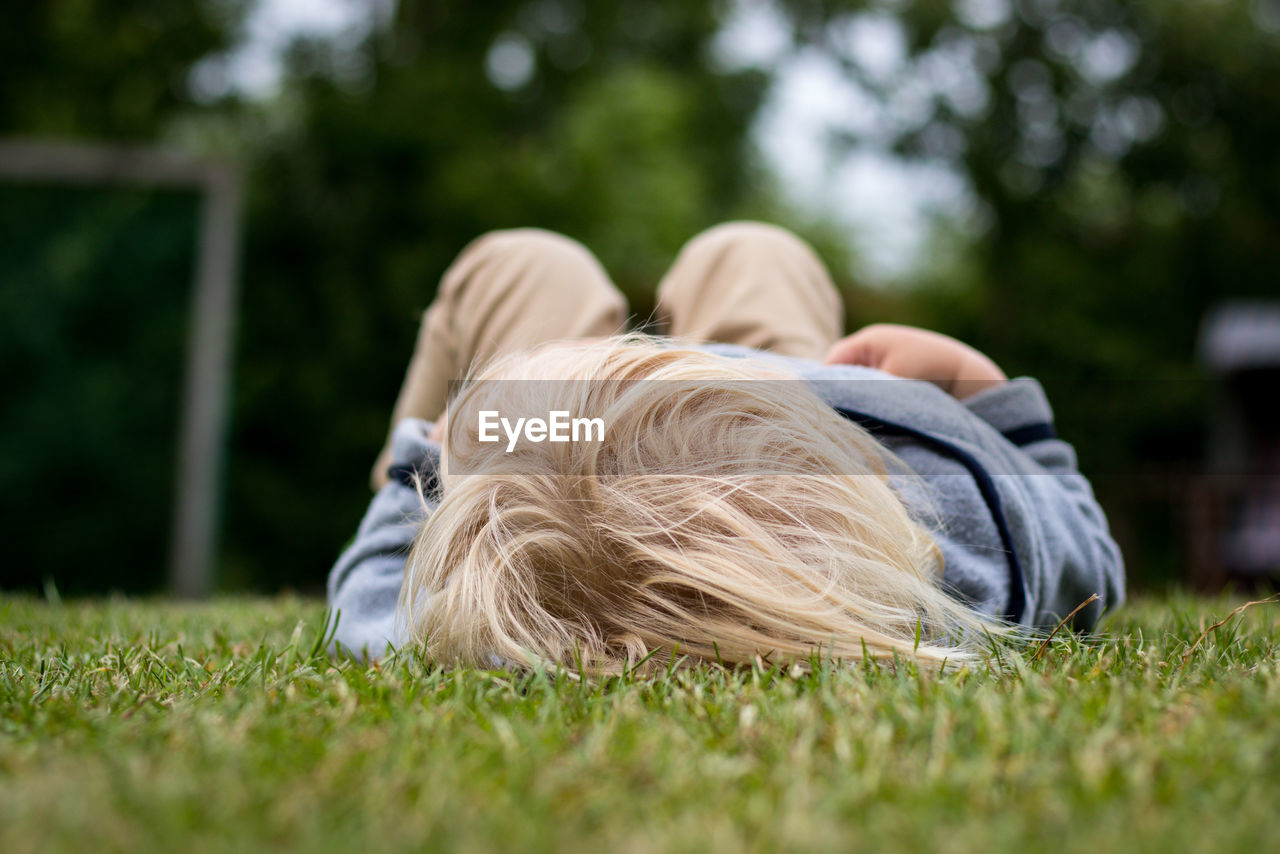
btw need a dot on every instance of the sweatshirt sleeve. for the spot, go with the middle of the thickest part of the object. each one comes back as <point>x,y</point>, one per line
<point>1076,555</point>
<point>364,584</point>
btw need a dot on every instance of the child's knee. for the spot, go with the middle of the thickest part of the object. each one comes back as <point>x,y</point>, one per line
<point>533,246</point>
<point>759,240</point>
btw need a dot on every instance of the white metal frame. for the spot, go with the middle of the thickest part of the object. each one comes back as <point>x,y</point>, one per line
<point>201,442</point>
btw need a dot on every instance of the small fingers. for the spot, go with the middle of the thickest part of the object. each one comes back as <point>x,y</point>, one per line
<point>860,348</point>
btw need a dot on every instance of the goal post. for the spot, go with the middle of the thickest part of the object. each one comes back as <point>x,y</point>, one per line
<point>208,358</point>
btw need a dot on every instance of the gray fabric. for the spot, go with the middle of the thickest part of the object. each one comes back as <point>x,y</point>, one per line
<point>1058,530</point>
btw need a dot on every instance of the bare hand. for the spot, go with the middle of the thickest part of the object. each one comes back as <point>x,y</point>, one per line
<point>906,351</point>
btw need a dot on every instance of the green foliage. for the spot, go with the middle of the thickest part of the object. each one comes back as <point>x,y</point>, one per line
<point>1121,159</point>
<point>93,333</point>
<point>105,68</point>
<point>138,725</point>
<point>96,283</point>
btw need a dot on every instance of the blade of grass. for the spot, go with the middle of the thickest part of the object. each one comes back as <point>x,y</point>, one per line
<point>1045,643</point>
<point>1205,633</point>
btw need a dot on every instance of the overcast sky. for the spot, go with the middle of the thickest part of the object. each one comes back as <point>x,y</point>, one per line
<point>882,201</point>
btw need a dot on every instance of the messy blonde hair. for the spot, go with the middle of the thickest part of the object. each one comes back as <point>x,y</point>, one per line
<point>724,517</point>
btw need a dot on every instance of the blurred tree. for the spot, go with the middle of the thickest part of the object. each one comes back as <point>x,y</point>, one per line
<point>93,321</point>
<point>106,68</point>
<point>1122,156</point>
<point>94,290</point>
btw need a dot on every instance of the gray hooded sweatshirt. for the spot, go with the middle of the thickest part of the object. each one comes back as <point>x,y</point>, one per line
<point>1021,535</point>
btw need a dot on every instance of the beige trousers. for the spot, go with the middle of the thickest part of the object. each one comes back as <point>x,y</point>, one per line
<point>744,283</point>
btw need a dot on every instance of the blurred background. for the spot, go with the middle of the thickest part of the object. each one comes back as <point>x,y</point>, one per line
<point>1088,191</point>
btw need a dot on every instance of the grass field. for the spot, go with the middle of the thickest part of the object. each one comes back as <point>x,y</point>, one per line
<point>135,726</point>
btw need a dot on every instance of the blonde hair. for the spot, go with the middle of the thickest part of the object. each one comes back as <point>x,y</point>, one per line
<point>725,516</point>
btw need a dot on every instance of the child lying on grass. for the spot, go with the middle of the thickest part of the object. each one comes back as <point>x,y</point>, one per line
<point>761,487</point>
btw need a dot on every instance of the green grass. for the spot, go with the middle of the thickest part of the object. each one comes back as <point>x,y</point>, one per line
<point>136,725</point>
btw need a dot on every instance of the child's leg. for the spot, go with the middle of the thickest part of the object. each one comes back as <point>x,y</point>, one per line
<point>752,284</point>
<point>508,290</point>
